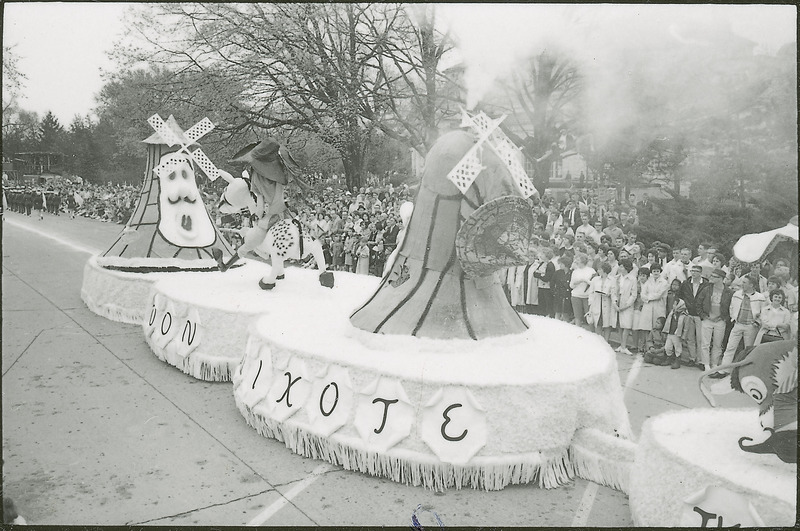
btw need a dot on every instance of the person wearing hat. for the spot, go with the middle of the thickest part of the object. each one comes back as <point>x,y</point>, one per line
<point>271,168</point>
<point>690,290</point>
<point>713,305</point>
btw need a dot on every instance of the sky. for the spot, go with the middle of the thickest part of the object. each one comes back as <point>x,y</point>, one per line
<point>62,47</point>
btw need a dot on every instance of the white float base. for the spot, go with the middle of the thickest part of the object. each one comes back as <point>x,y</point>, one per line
<point>116,295</point>
<point>210,313</point>
<point>541,407</point>
<point>684,452</point>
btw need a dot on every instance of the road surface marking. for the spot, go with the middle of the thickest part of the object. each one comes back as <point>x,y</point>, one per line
<point>633,373</point>
<point>270,511</point>
<point>68,243</point>
<point>585,506</point>
<point>581,517</point>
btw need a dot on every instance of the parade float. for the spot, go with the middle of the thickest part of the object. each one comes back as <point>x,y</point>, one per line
<point>169,231</point>
<point>727,468</point>
<point>431,378</point>
<point>199,322</point>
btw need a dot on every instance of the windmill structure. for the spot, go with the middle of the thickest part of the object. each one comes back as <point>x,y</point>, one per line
<point>170,226</point>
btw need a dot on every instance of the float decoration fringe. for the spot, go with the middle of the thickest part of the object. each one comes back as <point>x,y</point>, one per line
<point>547,469</point>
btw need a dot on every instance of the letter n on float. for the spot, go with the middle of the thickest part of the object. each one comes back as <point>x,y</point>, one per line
<point>454,425</point>
<point>384,414</point>
<point>189,335</point>
<point>288,391</point>
<point>331,401</point>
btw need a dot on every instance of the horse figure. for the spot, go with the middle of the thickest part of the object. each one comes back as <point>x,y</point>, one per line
<point>432,290</point>
<point>275,234</point>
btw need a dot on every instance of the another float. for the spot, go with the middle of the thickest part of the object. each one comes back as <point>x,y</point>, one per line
<point>728,468</point>
<point>170,230</point>
<point>432,378</point>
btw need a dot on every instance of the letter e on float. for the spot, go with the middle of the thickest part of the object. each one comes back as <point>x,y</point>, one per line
<point>453,425</point>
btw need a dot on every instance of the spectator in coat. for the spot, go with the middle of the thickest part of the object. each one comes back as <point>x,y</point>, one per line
<point>654,298</point>
<point>562,302</point>
<point>625,301</point>
<point>645,205</point>
<point>745,312</point>
<point>775,320</point>
<point>603,301</point>
<point>713,304</point>
<point>690,288</point>
<point>544,276</point>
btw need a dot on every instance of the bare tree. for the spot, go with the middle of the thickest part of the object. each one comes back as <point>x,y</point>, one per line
<point>544,92</point>
<point>310,67</point>
<point>413,99</point>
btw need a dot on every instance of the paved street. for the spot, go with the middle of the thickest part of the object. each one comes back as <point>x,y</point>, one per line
<point>97,430</point>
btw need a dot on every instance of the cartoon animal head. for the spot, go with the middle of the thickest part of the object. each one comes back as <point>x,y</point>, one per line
<point>766,373</point>
<point>237,194</point>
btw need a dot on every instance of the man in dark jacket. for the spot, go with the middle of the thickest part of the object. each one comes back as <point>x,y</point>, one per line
<point>713,303</point>
<point>690,290</point>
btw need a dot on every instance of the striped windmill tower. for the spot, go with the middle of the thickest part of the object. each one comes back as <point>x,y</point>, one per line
<point>170,228</point>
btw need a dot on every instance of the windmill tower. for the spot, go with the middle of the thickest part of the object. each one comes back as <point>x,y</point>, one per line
<point>170,228</point>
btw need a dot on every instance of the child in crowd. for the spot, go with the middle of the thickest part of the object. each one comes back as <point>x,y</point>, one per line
<point>349,252</point>
<point>362,266</point>
<point>337,248</point>
<point>654,349</point>
<point>672,294</point>
<point>674,328</point>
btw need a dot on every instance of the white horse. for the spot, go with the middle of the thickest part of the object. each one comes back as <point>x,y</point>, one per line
<point>285,238</point>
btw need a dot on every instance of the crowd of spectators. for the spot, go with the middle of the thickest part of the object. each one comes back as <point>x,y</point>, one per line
<point>104,202</point>
<point>358,231</point>
<point>673,304</point>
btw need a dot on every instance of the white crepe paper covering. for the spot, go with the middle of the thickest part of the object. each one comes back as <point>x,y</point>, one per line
<point>681,453</point>
<point>117,295</point>
<point>719,506</point>
<point>372,407</point>
<point>224,305</point>
<point>528,397</point>
<point>465,423</point>
<point>336,398</point>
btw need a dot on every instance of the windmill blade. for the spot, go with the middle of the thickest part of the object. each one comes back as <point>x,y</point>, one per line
<point>205,164</point>
<point>166,167</point>
<point>199,129</point>
<point>467,170</point>
<point>163,130</point>
<point>507,152</point>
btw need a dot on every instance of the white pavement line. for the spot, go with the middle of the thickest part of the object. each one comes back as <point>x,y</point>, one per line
<point>75,246</point>
<point>581,517</point>
<point>585,507</point>
<point>270,511</point>
<point>632,374</point>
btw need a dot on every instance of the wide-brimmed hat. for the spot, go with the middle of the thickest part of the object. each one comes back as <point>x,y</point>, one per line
<point>497,235</point>
<point>269,159</point>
